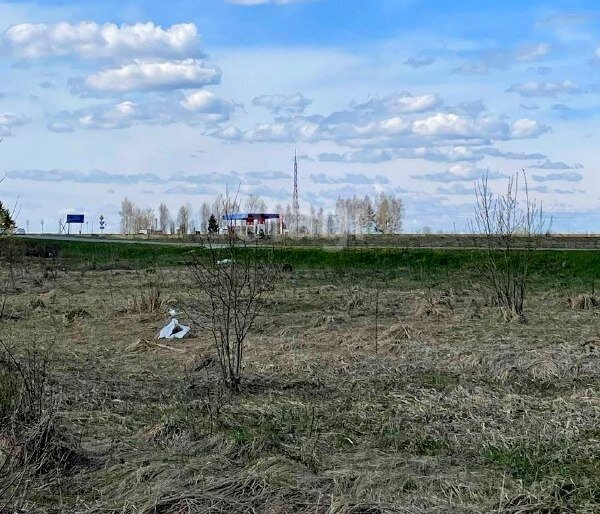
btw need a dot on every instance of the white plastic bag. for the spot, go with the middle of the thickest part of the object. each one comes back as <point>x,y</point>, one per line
<point>174,331</point>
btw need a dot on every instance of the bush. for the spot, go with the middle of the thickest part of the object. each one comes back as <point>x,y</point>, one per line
<point>31,440</point>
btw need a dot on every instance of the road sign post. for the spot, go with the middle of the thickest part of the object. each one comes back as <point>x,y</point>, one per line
<point>75,218</point>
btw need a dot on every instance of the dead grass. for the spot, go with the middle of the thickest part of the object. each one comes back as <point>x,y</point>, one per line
<point>583,302</point>
<point>456,412</point>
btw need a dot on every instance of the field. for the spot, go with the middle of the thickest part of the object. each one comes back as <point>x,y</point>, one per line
<point>376,381</point>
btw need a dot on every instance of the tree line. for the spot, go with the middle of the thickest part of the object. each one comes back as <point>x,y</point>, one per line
<point>382,214</point>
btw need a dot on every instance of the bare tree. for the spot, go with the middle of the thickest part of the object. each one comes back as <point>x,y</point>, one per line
<point>254,203</point>
<point>367,218</point>
<point>289,219</point>
<point>183,219</point>
<point>127,213</point>
<point>164,218</point>
<point>233,285</point>
<point>389,213</point>
<point>318,222</point>
<point>143,219</point>
<point>205,214</point>
<point>511,227</point>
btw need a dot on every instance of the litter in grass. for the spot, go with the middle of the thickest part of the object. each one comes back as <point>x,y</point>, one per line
<point>174,330</point>
<point>224,262</point>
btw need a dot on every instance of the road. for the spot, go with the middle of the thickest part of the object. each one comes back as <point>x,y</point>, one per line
<point>593,245</point>
<point>90,239</point>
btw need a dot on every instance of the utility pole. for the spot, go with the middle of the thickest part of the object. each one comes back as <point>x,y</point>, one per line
<point>42,223</point>
<point>296,202</point>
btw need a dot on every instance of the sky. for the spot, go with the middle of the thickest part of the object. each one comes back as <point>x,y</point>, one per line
<point>176,101</point>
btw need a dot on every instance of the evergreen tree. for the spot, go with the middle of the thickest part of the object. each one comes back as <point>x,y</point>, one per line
<point>6,221</point>
<point>213,226</point>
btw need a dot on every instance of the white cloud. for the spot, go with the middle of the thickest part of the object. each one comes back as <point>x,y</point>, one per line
<point>451,154</point>
<point>530,53</point>
<point>567,176</point>
<point>403,103</point>
<point>526,128</point>
<point>9,121</point>
<point>349,178</point>
<point>550,89</point>
<point>198,108</point>
<point>154,75</point>
<point>558,165</point>
<point>459,173</point>
<point>452,125</point>
<point>419,62</point>
<point>456,189</point>
<point>90,40</point>
<point>205,101</point>
<point>376,125</point>
<point>289,104</point>
<point>85,177</point>
<point>487,60</point>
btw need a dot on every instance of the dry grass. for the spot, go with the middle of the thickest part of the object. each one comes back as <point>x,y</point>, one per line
<point>583,302</point>
<point>456,412</point>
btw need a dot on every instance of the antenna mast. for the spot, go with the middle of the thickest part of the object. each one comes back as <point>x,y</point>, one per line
<point>296,202</point>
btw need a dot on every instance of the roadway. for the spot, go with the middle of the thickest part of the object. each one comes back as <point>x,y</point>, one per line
<point>401,244</point>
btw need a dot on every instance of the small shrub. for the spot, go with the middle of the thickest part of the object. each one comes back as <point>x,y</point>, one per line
<point>32,440</point>
<point>149,297</point>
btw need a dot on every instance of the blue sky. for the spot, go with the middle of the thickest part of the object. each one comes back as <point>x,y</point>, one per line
<point>171,101</point>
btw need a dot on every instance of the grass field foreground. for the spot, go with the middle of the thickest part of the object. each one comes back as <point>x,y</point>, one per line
<point>435,404</point>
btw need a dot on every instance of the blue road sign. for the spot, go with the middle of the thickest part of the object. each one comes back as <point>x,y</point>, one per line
<point>75,218</point>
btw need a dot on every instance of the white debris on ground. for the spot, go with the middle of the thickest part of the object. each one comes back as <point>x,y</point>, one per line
<point>225,261</point>
<point>174,330</point>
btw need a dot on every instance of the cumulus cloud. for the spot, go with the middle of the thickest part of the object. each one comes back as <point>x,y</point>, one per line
<point>90,40</point>
<point>150,75</point>
<point>192,189</point>
<point>85,177</point>
<point>526,128</point>
<point>547,190</point>
<point>9,121</point>
<point>450,154</point>
<point>460,173</point>
<point>548,89</point>
<point>349,178</point>
<point>419,62</point>
<point>456,189</point>
<point>533,52</point>
<point>519,156</point>
<point>503,58</point>
<point>398,126</point>
<point>266,175</point>
<point>371,156</point>
<point>204,101</point>
<point>452,125</point>
<point>472,68</point>
<point>568,176</point>
<point>402,103</point>
<point>558,165</point>
<point>192,109</point>
<point>286,104</point>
